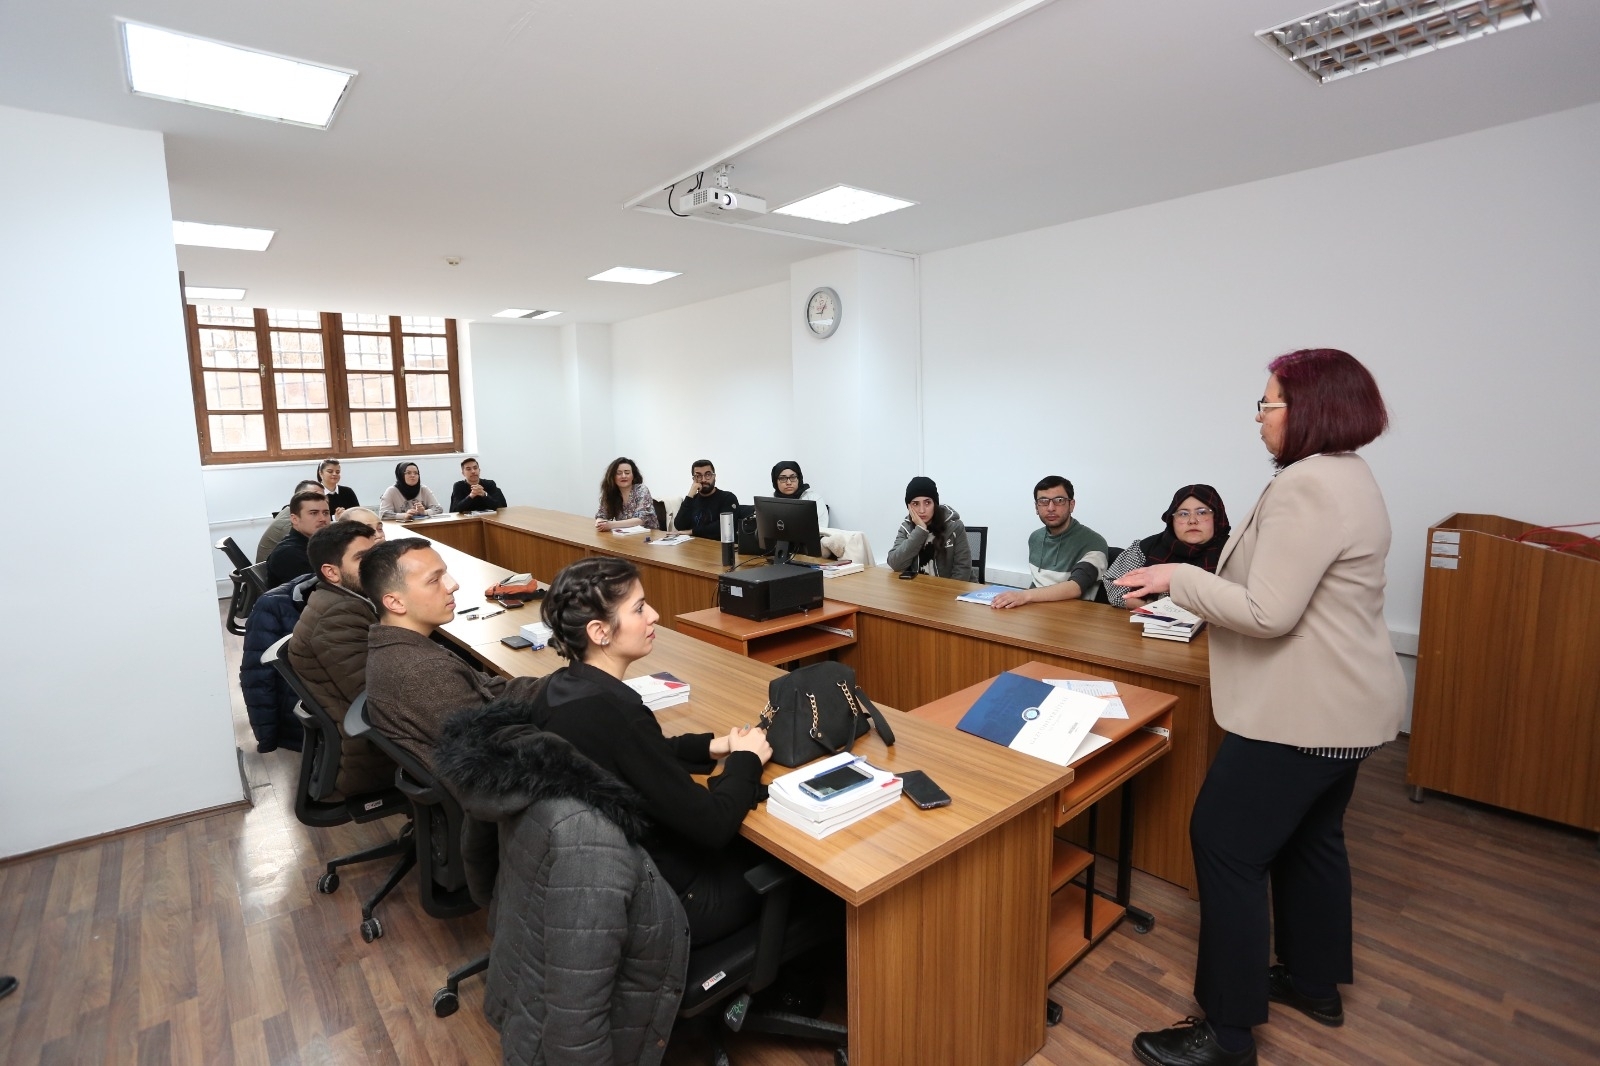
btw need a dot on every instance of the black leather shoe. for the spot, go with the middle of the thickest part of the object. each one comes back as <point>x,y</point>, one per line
<point>1189,1043</point>
<point>8,985</point>
<point>1280,989</point>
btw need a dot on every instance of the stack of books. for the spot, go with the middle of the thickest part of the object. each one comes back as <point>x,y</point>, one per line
<point>659,691</point>
<point>840,568</point>
<point>787,803</point>
<point>1165,620</point>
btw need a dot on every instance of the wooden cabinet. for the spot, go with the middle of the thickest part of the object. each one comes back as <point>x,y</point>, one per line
<point>1507,705</point>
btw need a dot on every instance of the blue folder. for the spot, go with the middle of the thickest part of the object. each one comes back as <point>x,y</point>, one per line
<point>1001,711</point>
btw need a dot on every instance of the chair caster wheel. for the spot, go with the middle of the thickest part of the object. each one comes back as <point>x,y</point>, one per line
<point>328,883</point>
<point>1143,927</point>
<point>1052,1012</point>
<point>371,929</point>
<point>841,1057</point>
<point>445,1003</point>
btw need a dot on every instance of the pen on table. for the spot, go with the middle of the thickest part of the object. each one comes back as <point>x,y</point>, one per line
<point>466,610</point>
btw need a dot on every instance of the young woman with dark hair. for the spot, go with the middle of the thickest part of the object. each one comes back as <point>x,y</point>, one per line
<point>1305,684</point>
<point>932,537</point>
<point>340,497</point>
<point>789,483</point>
<point>601,624</point>
<point>624,499</point>
<point>408,497</point>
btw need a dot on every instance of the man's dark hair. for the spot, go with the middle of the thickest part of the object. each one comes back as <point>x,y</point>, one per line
<point>588,589</point>
<point>380,567</point>
<point>329,544</point>
<point>468,459</point>
<point>698,463</point>
<point>305,485</point>
<point>1054,481</point>
<point>298,501</point>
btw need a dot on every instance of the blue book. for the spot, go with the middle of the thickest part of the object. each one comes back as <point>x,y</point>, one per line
<point>984,595</point>
<point>1002,710</point>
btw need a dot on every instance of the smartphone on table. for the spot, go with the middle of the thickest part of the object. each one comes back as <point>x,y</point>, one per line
<point>830,783</point>
<point>919,788</point>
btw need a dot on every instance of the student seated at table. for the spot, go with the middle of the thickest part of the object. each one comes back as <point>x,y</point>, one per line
<point>602,625</point>
<point>624,499</point>
<point>308,512</point>
<point>789,483</point>
<point>1065,556</point>
<point>367,518</point>
<point>1197,530</point>
<point>329,647</point>
<point>931,538</point>
<point>474,493</point>
<point>701,510</point>
<point>280,524</point>
<point>408,497</point>
<point>414,683</point>
<point>340,497</point>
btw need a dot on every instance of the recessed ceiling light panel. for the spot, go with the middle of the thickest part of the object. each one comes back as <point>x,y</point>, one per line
<point>207,292</point>
<point>634,275</point>
<point>544,314</point>
<point>206,235</point>
<point>1361,36</point>
<point>843,205</point>
<point>523,312</point>
<point>191,70</point>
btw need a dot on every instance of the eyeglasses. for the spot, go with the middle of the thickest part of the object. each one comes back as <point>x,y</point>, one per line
<point>788,477</point>
<point>1052,501</point>
<point>1198,512</point>
<point>705,475</point>
<point>1262,406</point>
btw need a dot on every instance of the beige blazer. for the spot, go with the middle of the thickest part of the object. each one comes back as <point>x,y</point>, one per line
<point>1300,653</point>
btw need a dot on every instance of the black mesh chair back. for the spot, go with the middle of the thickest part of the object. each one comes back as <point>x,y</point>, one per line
<point>1100,595</point>
<point>244,594</point>
<point>661,513</point>
<point>256,575</point>
<point>235,554</point>
<point>439,820</point>
<point>978,542</point>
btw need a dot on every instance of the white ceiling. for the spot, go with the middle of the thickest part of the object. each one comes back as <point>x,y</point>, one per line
<point>510,132</point>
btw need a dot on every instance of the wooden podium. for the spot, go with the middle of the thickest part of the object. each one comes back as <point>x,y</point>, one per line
<point>1507,705</point>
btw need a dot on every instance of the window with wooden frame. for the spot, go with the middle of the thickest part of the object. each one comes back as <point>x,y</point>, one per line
<point>272,384</point>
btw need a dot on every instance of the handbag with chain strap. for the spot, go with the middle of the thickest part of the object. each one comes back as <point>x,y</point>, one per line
<point>818,710</point>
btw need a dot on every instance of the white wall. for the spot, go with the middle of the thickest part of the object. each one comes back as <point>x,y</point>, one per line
<point>710,380</point>
<point>1461,272</point>
<point>116,709</point>
<point>523,429</point>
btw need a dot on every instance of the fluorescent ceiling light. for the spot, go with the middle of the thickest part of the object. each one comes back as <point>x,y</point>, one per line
<point>843,205</point>
<point>206,292</point>
<point>1356,37</point>
<point>190,70</point>
<point>205,235</point>
<point>635,275</point>
<point>522,312</point>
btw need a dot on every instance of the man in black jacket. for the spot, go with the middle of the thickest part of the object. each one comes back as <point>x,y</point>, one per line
<point>308,512</point>
<point>702,507</point>
<point>474,493</point>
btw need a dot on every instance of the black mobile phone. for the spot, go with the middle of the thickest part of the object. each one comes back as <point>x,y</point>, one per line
<point>508,603</point>
<point>516,640</point>
<point>908,575</point>
<point>919,788</point>
<point>832,782</point>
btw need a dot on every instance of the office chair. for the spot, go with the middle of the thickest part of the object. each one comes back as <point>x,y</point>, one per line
<point>243,594</point>
<point>661,513</point>
<point>438,820</point>
<point>978,542</point>
<point>1100,595</point>
<point>256,575</point>
<point>313,802</point>
<point>729,972</point>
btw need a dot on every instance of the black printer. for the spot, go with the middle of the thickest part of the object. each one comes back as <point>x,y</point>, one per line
<point>769,591</point>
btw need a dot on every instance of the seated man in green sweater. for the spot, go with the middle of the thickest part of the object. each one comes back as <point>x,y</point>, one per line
<point>1066,557</point>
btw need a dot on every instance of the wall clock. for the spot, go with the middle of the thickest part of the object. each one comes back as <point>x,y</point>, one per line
<point>822,312</point>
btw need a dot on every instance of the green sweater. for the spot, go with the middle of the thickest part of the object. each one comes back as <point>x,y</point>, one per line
<point>1053,560</point>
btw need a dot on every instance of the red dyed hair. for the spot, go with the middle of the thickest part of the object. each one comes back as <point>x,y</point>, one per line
<point>1334,403</point>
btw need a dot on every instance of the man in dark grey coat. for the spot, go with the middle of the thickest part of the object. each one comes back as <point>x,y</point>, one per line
<point>590,942</point>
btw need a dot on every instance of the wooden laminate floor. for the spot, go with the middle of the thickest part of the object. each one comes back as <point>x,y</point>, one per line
<point>1477,941</point>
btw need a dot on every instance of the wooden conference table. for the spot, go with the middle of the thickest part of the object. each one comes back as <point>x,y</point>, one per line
<point>945,908</point>
<point>916,644</point>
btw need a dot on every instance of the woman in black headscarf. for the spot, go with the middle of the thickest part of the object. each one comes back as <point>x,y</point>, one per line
<point>788,483</point>
<point>1197,529</point>
<point>408,497</point>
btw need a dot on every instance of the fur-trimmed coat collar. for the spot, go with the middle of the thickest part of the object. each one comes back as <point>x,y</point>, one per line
<point>498,764</point>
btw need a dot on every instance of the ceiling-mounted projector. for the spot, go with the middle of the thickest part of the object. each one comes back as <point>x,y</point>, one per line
<point>721,200</point>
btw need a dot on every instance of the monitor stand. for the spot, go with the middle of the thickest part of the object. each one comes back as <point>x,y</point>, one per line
<point>781,554</point>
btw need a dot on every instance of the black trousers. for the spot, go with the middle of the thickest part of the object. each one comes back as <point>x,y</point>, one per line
<point>718,900</point>
<point>1270,811</point>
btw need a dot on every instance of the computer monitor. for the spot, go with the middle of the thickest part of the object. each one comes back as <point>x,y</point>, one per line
<point>787,527</point>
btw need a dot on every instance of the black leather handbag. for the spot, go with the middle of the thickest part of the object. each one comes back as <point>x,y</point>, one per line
<point>818,710</point>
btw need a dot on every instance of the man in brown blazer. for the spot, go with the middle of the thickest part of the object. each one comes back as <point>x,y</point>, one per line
<point>329,647</point>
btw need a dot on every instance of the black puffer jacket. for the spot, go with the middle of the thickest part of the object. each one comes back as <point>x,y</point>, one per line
<point>268,700</point>
<point>590,942</point>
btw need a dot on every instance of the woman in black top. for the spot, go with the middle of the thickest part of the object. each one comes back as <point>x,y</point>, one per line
<point>601,625</point>
<point>340,497</point>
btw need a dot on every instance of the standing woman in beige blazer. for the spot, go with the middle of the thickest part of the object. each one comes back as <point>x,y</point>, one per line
<point>1306,685</point>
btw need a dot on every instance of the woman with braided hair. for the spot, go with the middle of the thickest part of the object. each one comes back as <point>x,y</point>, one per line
<point>601,624</point>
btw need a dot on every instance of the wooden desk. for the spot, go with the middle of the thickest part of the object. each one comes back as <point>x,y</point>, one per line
<point>777,640</point>
<point>915,644</point>
<point>1077,920</point>
<point>462,532</point>
<point>945,908</point>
